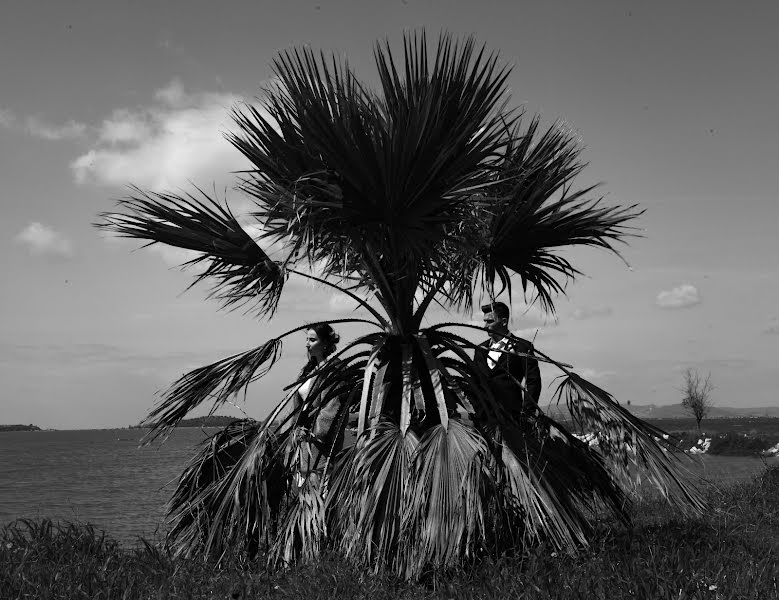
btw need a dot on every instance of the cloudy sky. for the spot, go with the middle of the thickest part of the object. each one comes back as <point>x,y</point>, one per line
<point>674,101</point>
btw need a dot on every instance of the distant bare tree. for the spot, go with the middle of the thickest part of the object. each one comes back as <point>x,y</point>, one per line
<point>697,395</point>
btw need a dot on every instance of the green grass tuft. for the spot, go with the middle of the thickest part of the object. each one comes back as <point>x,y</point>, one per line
<point>732,552</point>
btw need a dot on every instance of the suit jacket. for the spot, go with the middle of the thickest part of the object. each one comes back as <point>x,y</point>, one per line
<point>510,369</point>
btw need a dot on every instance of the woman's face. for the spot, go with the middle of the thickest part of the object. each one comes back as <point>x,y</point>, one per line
<point>314,346</point>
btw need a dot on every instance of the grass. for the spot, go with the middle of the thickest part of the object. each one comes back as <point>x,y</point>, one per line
<point>732,552</point>
<point>730,443</point>
<point>767,427</point>
<point>734,444</point>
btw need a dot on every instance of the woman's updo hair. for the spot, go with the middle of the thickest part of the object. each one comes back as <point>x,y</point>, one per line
<point>327,336</point>
<point>329,339</point>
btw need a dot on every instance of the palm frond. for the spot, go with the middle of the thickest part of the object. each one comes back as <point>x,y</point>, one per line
<point>446,515</point>
<point>365,180</point>
<point>527,494</point>
<point>369,491</point>
<point>229,493</point>
<point>626,440</point>
<point>632,446</point>
<point>303,532</point>
<point>219,381</point>
<point>444,124</point>
<point>362,302</point>
<point>532,213</point>
<point>540,357</point>
<point>242,271</point>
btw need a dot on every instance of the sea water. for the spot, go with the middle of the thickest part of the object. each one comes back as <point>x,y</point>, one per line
<point>103,477</point>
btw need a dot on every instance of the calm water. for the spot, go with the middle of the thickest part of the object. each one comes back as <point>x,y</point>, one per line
<point>104,478</point>
<point>96,476</point>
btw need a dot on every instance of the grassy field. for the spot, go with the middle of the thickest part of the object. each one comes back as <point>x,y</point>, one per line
<point>727,437</point>
<point>754,426</point>
<point>719,470</point>
<point>730,552</point>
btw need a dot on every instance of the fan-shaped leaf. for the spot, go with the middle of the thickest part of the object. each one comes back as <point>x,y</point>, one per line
<point>242,271</point>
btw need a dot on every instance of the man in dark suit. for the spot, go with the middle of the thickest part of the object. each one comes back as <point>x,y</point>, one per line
<point>514,378</point>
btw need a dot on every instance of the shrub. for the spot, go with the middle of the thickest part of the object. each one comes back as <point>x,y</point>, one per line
<point>735,444</point>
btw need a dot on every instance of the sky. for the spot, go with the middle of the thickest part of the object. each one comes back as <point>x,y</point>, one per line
<point>675,103</point>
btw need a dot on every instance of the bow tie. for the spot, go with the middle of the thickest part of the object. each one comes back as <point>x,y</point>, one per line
<point>496,350</point>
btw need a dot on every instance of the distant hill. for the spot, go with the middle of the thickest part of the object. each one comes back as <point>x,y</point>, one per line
<point>676,411</point>
<point>19,428</point>
<point>212,421</point>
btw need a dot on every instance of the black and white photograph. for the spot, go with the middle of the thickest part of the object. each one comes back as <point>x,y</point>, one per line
<point>414,299</point>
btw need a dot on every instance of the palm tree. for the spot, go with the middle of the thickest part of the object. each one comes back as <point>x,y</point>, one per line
<point>426,190</point>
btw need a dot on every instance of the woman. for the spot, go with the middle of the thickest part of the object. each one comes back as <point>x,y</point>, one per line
<point>321,418</point>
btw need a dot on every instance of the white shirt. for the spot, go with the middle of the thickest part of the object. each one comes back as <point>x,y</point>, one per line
<point>305,387</point>
<point>496,349</point>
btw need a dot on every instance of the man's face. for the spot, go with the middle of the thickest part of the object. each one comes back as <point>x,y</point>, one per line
<point>496,326</point>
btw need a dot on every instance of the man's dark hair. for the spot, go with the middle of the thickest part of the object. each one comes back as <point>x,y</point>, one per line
<point>500,310</point>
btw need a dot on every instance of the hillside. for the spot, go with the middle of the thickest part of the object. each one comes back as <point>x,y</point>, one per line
<point>212,421</point>
<point>206,421</point>
<point>19,428</point>
<point>676,411</point>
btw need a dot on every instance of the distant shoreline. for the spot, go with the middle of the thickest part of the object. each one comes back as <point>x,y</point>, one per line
<point>212,421</point>
<point>223,421</point>
<point>20,428</point>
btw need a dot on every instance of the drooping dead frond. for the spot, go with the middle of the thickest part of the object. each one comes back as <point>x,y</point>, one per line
<point>228,494</point>
<point>446,515</point>
<point>219,381</point>
<point>625,440</point>
<point>216,382</point>
<point>302,533</point>
<point>554,482</point>
<point>242,271</point>
<point>368,497</point>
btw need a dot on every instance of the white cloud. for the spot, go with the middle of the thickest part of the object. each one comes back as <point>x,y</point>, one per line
<point>530,315</point>
<point>124,126</point>
<point>528,333</point>
<point>341,304</point>
<point>172,256</point>
<point>585,312</point>
<point>7,118</point>
<point>679,297</point>
<point>114,239</point>
<point>591,374</point>
<point>254,230</point>
<point>177,139</point>
<point>172,94</point>
<point>242,208</point>
<point>41,239</point>
<point>47,131</point>
<point>40,128</point>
